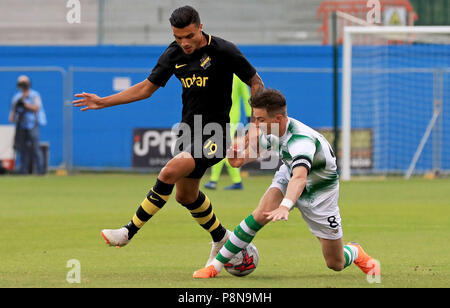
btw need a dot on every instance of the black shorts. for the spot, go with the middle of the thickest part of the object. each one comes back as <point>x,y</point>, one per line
<point>206,151</point>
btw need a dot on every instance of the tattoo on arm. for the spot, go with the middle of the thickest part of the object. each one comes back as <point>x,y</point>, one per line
<point>255,83</point>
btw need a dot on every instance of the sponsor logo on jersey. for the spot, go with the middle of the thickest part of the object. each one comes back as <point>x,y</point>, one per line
<point>194,81</point>
<point>177,66</point>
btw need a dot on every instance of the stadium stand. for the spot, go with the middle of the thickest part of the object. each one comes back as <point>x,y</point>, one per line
<point>43,22</point>
<point>135,22</point>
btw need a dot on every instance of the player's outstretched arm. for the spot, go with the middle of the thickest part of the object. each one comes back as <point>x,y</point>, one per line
<point>90,101</point>
<point>295,188</point>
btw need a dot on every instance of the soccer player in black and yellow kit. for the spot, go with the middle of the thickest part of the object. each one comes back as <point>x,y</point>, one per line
<point>205,65</point>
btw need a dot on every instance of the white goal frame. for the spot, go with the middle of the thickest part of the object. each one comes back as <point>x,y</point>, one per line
<point>347,87</point>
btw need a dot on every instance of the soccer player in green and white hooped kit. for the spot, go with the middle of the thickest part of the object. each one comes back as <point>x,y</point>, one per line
<point>307,180</point>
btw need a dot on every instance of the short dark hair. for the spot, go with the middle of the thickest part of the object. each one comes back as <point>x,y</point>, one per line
<point>270,99</point>
<point>184,16</point>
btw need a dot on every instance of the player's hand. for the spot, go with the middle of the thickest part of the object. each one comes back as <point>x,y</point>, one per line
<point>281,213</point>
<point>88,101</point>
<point>235,157</point>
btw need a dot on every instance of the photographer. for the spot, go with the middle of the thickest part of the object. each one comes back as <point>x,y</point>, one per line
<point>28,114</point>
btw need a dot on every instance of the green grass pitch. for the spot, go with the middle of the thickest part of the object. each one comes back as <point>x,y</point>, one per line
<point>46,221</point>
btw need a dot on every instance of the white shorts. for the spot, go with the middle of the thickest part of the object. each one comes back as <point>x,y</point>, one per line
<point>321,214</point>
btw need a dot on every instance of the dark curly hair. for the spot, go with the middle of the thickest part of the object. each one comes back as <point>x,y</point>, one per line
<point>270,99</point>
<point>184,16</point>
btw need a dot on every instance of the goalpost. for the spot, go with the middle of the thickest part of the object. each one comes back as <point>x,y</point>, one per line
<point>395,101</point>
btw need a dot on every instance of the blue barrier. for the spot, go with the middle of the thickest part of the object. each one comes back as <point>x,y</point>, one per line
<point>104,138</point>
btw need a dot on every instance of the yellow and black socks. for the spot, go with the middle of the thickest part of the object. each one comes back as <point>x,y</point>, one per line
<point>201,210</point>
<point>154,201</point>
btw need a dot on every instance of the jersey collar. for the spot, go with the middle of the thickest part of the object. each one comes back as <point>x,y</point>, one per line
<point>208,37</point>
<point>284,136</point>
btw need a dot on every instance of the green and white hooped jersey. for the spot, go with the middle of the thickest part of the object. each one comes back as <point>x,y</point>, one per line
<point>300,145</point>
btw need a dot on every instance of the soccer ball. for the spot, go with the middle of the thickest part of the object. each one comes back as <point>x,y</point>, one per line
<point>244,262</point>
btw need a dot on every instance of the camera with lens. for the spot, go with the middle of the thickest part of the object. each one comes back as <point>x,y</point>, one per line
<point>20,106</point>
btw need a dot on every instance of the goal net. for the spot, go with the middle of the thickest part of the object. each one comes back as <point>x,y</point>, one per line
<point>396,101</point>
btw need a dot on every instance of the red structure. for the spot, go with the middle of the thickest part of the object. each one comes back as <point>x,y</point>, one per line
<point>356,8</point>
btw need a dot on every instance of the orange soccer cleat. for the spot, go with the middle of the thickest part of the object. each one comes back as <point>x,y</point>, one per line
<point>365,262</point>
<point>206,272</point>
